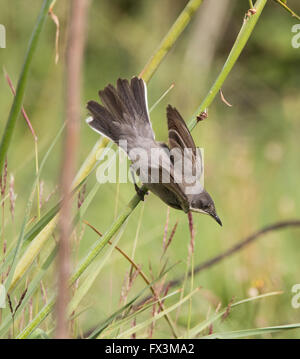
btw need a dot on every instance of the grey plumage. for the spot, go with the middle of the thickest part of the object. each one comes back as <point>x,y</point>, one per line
<point>124,117</point>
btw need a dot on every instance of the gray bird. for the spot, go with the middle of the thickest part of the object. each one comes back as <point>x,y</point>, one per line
<point>124,119</point>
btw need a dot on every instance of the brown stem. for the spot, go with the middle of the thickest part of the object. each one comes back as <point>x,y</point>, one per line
<point>74,59</point>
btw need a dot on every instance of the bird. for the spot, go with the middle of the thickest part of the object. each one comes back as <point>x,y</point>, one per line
<point>123,117</point>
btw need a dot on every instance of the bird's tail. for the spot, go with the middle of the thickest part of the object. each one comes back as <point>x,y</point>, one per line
<point>124,113</point>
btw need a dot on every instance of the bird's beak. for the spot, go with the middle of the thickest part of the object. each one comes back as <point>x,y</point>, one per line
<point>217,219</point>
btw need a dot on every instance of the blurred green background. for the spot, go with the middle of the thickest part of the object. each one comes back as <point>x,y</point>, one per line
<point>252,161</point>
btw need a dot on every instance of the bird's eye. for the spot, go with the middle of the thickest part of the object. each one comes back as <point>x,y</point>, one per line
<point>198,204</point>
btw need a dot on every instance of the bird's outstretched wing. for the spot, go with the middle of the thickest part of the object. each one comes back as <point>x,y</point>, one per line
<point>181,139</point>
<point>179,134</point>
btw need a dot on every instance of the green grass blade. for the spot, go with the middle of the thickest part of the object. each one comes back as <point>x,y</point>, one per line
<point>22,268</point>
<point>147,322</point>
<point>43,313</point>
<point>46,310</point>
<point>39,334</point>
<point>38,226</point>
<point>20,91</point>
<point>129,317</point>
<point>92,274</point>
<point>205,324</point>
<point>116,314</point>
<point>42,237</point>
<point>252,332</point>
<point>9,281</point>
<point>34,284</point>
<point>47,217</point>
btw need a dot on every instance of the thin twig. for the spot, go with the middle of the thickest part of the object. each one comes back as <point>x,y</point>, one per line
<point>13,90</point>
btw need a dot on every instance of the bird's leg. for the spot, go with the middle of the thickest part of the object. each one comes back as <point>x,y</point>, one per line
<point>141,193</point>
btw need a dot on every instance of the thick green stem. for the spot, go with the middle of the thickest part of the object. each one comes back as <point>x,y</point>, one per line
<point>170,39</point>
<point>240,42</point>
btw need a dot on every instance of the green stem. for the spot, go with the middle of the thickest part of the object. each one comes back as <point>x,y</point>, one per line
<point>240,43</point>
<point>169,40</point>
<point>18,99</point>
<point>287,9</point>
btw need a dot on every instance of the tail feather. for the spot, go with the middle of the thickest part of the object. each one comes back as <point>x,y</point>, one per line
<point>127,96</point>
<point>102,120</point>
<point>112,102</point>
<point>140,94</point>
<point>124,114</point>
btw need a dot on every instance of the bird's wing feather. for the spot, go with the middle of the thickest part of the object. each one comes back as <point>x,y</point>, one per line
<point>179,134</point>
<point>174,187</point>
<point>180,138</point>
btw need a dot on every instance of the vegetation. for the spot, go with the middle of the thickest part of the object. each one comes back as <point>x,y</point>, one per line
<point>138,270</point>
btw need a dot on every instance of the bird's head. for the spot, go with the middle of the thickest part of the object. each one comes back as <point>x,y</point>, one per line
<point>203,203</point>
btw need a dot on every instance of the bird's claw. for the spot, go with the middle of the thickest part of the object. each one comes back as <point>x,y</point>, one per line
<point>141,193</point>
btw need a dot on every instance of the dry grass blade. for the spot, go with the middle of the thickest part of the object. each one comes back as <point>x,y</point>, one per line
<point>224,99</point>
<point>56,22</point>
